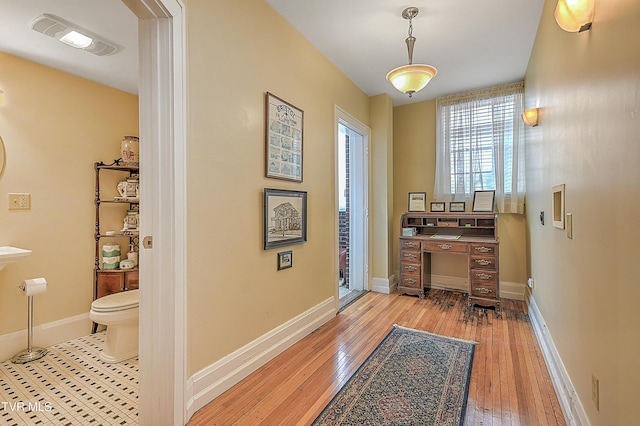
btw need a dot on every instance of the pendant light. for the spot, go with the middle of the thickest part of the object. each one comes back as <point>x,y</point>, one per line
<point>411,78</point>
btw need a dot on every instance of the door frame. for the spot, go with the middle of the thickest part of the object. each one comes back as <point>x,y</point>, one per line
<point>359,236</point>
<point>163,393</point>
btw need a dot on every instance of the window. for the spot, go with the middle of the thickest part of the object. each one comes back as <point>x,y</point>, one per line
<point>480,146</point>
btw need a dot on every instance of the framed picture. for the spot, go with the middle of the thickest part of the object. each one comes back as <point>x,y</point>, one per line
<point>417,201</point>
<point>483,201</point>
<point>285,259</point>
<point>285,218</point>
<point>437,206</point>
<point>283,139</point>
<point>457,206</point>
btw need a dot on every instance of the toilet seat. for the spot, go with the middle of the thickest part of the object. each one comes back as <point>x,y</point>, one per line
<point>116,302</point>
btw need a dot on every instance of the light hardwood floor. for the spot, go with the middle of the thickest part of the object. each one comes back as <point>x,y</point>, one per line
<point>510,384</point>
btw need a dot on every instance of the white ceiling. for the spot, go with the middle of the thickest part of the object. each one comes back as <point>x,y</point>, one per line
<point>473,44</point>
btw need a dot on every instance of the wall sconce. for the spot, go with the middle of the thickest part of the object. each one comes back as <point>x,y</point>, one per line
<point>530,117</point>
<point>574,16</point>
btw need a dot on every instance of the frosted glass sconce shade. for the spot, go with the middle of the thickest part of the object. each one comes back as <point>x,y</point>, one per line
<point>574,16</point>
<point>530,117</point>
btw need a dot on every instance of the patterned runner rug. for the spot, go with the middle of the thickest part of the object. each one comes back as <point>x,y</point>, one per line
<point>411,378</point>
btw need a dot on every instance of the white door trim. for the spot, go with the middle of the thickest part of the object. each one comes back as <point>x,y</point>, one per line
<point>162,106</point>
<point>359,237</point>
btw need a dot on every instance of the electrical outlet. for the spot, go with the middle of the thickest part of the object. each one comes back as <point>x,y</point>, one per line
<point>595,391</point>
<point>531,282</point>
<point>19,201</point>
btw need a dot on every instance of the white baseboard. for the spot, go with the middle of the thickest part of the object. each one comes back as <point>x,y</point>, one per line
<point>210,382</point>
<point>45,335</point>
<point>570,403</point>
<point>384,285</point>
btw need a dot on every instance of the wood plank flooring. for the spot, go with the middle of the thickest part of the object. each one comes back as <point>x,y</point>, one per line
<point>510,384</point>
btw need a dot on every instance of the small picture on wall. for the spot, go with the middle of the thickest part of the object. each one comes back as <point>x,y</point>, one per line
<point>438,206</point>
<point>285,259</point>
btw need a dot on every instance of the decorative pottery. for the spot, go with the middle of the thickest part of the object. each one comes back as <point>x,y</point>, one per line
<point>130,151</point>
<point>127,264</point>
<point>110,256</point>
<point>129,188</point>
<point>133,256</point>
<point>131,221</point>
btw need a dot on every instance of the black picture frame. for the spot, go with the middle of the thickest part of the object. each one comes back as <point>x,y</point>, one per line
<point>285,218</point>
<point>284,128</point>
<point>437,206</point>
<point>457,207</point>
<point>285,260</point>
<point>483,201</point>
<point>417,202</point>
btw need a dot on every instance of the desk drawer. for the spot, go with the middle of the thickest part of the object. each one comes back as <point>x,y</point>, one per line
<point>485,290</point>
<point>409,280</point>
<point>485,262</point>
<point>410,268</point>
<point>444,246</point>
<point>409,244</point>
<point>483,248</point>
<point>483,277</point>
<point>410,256</point>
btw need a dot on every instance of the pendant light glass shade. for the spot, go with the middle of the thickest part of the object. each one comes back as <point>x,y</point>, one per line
<point>574,15</point>
<point>412,78</point>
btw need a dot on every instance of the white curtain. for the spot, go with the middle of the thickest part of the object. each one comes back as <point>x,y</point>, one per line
<point>480,146</point>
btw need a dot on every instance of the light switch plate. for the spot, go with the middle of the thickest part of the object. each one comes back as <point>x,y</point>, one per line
<point>569,225</point>
<point>19,201</point>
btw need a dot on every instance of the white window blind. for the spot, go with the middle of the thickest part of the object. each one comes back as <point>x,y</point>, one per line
<point>480,146</point>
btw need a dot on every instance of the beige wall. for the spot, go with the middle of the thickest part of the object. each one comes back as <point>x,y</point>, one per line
<point>54,126</point>
<point>381,186</point>
<point>238,50</point>
<point>587,290</point>
<point>414,163</point>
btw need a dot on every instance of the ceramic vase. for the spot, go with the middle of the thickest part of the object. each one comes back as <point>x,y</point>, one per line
<point>130,151</point>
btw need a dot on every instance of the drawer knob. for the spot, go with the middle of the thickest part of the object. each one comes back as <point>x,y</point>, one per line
<point>483,249</point>
<point>483,290</point>
<point>410,255</point>
<point>483,262</point>
<point>410,244</point>
<point>444,246</point>
<point>410,281</point>
<point>483,276</point>
<point>410,268</point>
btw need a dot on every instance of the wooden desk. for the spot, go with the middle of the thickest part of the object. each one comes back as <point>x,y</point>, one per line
<point>473,235</point>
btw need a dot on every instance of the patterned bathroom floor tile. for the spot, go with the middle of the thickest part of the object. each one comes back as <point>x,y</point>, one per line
<point>70,386</point>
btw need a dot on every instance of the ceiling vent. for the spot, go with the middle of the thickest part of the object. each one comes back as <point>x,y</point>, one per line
<point>58,28</point>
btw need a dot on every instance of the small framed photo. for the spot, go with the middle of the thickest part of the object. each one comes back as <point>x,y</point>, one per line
<point>438,206</point>
<point>483,201</point>
<point>285,259</point>
<point>285,218</point>
<point>457,207</point>
<point>417,201</point>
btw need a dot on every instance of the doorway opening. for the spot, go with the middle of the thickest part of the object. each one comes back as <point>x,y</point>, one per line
<point>352,210</point>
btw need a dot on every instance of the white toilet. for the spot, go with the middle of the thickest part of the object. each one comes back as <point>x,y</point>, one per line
<point>119,312</point>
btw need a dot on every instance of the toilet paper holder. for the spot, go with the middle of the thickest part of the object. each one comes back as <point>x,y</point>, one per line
<point>30,287</point>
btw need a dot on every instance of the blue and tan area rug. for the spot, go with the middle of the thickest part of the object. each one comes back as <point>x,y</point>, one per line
<point>411,378</point>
